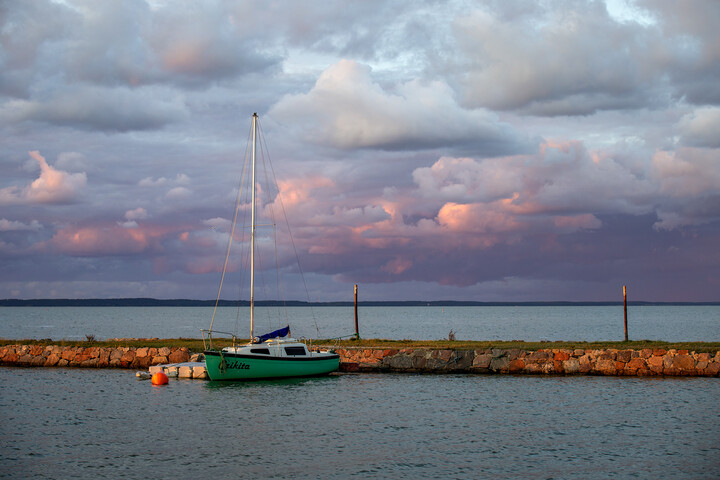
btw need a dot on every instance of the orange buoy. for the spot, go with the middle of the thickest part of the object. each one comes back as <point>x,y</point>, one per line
<point>159,379</point>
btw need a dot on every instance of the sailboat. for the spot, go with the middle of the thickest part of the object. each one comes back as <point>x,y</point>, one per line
<point>272,355</point>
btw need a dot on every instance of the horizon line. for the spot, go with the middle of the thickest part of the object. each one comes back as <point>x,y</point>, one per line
<point>149,302</point>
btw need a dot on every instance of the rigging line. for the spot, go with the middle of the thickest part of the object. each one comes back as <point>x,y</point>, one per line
<point>279,286</point>
<point>282,305</point>
<point>232,232</point>
<point>244,250</point>
<point>292,241</point>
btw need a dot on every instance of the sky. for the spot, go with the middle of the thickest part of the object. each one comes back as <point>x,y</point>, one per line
<point>425,150</point>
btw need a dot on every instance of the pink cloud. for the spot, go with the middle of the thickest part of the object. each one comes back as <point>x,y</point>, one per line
<point>297,191</point>
<point>397,266</point>
<point>475,218</point>
<point>108,240</point>
<point>688,172</point>
<point>574,222</point>
<point>52,186</point>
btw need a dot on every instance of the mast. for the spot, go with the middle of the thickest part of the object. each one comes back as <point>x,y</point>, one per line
<point>252,235</point>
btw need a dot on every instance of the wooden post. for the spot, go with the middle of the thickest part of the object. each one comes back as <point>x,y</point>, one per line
<point>625,309</point>
<point>357,332</point>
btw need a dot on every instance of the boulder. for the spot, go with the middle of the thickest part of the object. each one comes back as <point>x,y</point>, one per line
<point>605,366</point>
<point>158,360</point>
<point>655,364</point>
<point>463,359</point>
<point>38,361</point>
<point>52,360</point>
<point>500,364</point>
<point>561,356</point>
<point>571,365</point>
<point>538,357</point>
<point>635,364</point>
<point>624,356</point>
<point>104,358</point>
<point>399,362</point>
<point>481,361</point>
<point>68,354</point>
<point>127,357</point>
<point>419,359</point>
<point>346,367</point>
<point>179,356</point>
<point>516,366</point>
<point>89,363</point>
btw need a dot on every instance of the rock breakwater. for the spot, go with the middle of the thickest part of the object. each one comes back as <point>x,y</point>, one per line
<point>90,357</point>
<point>645,362</point>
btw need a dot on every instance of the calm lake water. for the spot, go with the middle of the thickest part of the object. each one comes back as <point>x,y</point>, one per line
<point>571,323</point>
<point>72,423</point>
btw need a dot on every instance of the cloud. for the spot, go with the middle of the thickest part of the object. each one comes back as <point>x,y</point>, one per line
<point>700,128</point>
<point>51,187</point>
<point>689,184</point>
<point>101,240</point>
<point>16,226</point>
<point>689,50</point>
<point>131,217</point>
<point>180,179</point>
<point>136,214</point>
<point>688,172</point>
<point>561,178</point>
<point>453,150</point>
<point>131,43</point>
<point>91,108</point>
<point>178,193</point>
<point>217,223</point>
<point>574,58</point>
<point>585,221</point>
<point>347,109</point>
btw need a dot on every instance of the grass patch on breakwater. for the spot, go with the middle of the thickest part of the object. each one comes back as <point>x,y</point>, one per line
<point>196,345</point>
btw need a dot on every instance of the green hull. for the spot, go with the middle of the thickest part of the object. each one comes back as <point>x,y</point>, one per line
<point>249,367</point>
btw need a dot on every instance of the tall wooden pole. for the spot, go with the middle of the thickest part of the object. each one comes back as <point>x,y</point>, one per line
<point>625,309</point>
<point>357,332</point>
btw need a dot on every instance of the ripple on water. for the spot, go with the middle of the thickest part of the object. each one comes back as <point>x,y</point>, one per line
<point>63,423</point>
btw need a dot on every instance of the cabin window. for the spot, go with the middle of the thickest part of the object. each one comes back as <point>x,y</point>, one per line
<point>295,351</point>
<point>264,351</point>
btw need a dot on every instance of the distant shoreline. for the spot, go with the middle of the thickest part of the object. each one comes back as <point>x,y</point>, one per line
<point>154,302</point>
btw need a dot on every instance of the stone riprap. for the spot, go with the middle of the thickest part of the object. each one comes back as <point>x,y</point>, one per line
<point>645,362</point>
<point>90,357</point>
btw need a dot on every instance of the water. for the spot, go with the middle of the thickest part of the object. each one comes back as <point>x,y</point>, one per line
<point>75,423</point>
<point>570,323</point>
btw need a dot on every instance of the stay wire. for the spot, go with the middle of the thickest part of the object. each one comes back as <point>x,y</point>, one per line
<point>292,239</point>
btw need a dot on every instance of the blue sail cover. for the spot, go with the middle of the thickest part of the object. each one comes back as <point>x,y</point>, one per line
<point>283,332</point>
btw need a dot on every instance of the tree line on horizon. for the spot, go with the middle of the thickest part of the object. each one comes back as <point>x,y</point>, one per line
<point>155,302</point>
